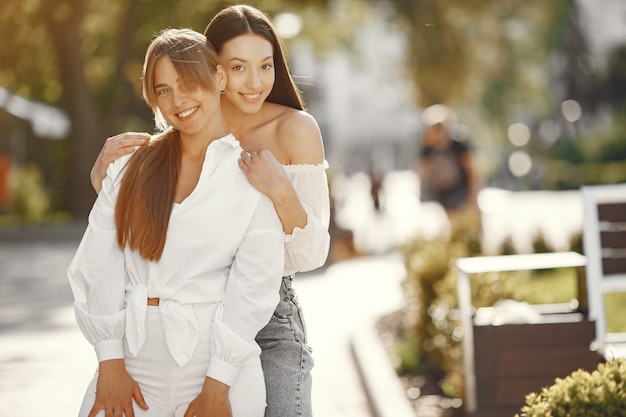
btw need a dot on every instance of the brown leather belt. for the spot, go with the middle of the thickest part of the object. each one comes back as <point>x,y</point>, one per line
<point>153,301</point>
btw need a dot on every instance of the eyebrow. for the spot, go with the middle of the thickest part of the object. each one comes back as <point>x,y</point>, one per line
<point>245,60</point>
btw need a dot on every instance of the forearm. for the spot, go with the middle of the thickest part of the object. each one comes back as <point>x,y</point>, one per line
<point>97,175</point>
<point>288,207</point>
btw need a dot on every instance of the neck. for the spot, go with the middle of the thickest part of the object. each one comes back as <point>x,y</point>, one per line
<point>196,144</point>
<point>237,122</point>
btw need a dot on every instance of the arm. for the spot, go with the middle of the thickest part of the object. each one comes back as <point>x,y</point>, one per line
<point>268,176</point>
<point>250,297</point>
<point>113,148</point>
<point>96,276</point>
<point>472,179</point>
<point>302,203</point>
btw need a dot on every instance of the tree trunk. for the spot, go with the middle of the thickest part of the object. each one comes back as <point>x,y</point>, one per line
<point>85,134</point>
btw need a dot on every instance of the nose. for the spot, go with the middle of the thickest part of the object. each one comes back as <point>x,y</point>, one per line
<point>180,97</point>
<point>254,80</point>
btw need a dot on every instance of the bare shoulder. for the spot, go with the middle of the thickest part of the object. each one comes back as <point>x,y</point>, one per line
<point>299,134</point>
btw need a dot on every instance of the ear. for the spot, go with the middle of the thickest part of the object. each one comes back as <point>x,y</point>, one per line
<point>221,78</point>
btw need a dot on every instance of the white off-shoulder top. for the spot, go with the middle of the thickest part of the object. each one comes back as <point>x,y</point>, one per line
<point>307,248</point>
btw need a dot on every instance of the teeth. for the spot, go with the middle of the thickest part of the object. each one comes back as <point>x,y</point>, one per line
<point>252,96</point>
<point>187,112</point>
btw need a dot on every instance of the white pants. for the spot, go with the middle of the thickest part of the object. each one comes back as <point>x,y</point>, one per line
<point>168,389</point>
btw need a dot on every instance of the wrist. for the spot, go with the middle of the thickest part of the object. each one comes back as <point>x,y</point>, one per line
<point>215,387</point>
<point>112,365</point>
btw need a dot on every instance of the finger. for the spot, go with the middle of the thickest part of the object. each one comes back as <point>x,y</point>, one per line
<point>138,396</point>
<point>137,137</point>
<point>243,165</point>
<point>129,411</point>
<point>132,142</point>
<point>189,412</point>
<point>93,411</point>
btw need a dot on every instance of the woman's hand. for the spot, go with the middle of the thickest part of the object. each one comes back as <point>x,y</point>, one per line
<point>116,390</point>
<point>113,148</point>
<point>269,177</point>
<point>211,402</point>
<point>264,172</point>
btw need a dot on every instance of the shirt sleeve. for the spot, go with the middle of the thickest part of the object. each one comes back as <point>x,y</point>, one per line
<point>307,248</point>
<point>251,295</point>
<point>96,275</point>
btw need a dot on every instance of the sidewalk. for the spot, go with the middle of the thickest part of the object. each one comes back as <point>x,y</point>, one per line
<point>46,364</point>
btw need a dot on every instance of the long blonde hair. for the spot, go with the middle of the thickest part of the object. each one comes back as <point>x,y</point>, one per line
<point>146,194</point>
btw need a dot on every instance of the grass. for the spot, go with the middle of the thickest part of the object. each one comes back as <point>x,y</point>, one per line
<point>560,286</point>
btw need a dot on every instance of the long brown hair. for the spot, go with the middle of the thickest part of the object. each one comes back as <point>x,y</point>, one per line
<point>240,20</point>
<point>147,190</point>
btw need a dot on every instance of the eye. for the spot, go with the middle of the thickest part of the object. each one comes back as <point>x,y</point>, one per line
<point>267,66</point>
<point>238,68</point>
<point>162,91</point>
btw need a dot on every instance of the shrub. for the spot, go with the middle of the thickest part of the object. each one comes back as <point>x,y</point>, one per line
<point>431,309</point>
<point>431,329</point>
<point>30,201</point>
<point>601,393</point>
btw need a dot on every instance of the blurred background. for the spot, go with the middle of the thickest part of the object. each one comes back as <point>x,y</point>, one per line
<point>537,88</point>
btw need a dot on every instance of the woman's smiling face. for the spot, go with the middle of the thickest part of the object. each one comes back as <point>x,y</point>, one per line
<point>189,109</point>
<point>249,63</point>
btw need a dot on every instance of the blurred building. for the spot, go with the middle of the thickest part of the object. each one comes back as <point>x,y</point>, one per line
<point>362,100</point>
<point>604,24</point>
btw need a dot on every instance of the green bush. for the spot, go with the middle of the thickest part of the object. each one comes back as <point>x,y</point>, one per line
<point>431,319</point>
<point>29,202</point>
<point>432,332</point>
<point>601,393</point>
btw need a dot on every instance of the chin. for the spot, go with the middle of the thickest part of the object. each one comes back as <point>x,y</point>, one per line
<point>251,108</point>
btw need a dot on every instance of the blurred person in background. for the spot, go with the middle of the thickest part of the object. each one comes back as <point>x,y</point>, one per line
<point>284,159</point>
<point>179,267</point>
<point>445,169</point>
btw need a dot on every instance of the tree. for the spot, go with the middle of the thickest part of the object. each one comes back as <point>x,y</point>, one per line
<point>85,56</point>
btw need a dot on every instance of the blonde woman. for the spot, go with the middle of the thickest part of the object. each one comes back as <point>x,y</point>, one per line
<point>180,265</point>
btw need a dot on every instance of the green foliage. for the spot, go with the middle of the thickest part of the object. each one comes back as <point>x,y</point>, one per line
<point>30,202</point>
<point>615,304</point>
<point>507,246</point>
<point>601,393</point>
<point>540,244</point>
<point>431,311</point>
<point>596,156</point>
<point>85,57</point>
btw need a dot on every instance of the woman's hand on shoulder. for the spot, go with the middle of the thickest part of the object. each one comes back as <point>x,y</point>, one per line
<point>264,172</point>
<point>299,134</point>
<point>114,147</point>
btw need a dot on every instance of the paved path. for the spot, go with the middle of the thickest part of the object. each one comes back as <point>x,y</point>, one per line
<point>45,363</point>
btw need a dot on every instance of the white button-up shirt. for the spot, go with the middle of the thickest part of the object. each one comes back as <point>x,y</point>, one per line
<point>224,247</point>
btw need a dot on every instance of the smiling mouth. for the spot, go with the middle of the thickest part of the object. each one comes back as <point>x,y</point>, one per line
<point>252,96</point>
<point>187,113</point>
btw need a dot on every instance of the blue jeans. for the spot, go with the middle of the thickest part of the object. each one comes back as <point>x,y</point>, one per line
<point>286,358</point>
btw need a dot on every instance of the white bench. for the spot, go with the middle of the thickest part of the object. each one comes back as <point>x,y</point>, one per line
<point>604,240</point>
